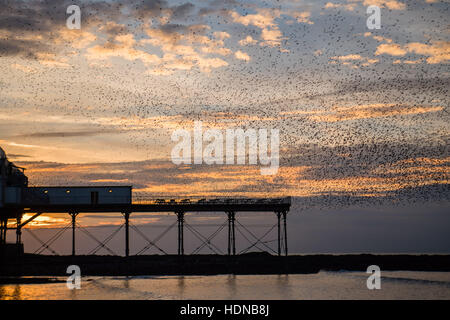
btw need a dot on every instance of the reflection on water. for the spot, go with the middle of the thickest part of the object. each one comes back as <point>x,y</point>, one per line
<point>126,283</point>
<point>324,285</point>
<point>10,292</point>
<point>231,283</point>
<point>180,287</point>
<point>16,293</point>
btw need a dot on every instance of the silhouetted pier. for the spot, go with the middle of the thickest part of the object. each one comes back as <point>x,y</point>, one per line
<point>231,207</point>
<point>17,199</point>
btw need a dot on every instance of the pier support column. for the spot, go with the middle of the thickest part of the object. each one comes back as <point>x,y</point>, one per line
<point>279,232</point>
<point>3,227</point>
<point>285,234</point>
<point>19,230</point>
<point>74,216</point>
<point>180,217</point>
<point>231,234</point>
<point>127,234</point>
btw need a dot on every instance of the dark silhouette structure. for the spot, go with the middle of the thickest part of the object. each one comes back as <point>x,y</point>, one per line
<point>19,199</point>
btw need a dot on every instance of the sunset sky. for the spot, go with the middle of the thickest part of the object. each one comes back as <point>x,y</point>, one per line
<point>363,114</point>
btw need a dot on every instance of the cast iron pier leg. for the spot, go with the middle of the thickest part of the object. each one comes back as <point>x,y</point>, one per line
<point>127,234</point>
<point>3,226</point>
<point>285,234</point>
<point>279,233</point>
<point>74,216</point>
<point>19,230</point>
<point>180,217</point>
<point>231,233</point>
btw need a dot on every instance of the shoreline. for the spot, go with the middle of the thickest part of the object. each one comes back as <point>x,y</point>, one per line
<point>251,263</point>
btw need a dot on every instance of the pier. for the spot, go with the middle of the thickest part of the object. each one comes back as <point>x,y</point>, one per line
<point>231,207</point>
<point>17,198</point>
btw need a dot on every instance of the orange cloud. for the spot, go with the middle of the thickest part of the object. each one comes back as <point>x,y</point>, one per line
<point>265,20</point>
<point>183,51</point>
<point>351,4</point>
<point>390,4</point>
<point>302,17</point>
<point>242,55</point>
<point>352,60</point>
<point>437,51</point>
<point>348,7</point>
<point>248,40</point>
<point>390,49</point>
<point>372,111</point>
<point>123,47</point>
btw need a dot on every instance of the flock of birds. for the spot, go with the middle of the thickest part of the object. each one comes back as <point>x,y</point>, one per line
<point>400,153</point>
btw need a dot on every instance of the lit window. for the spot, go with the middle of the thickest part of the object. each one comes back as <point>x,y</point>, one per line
<point>109,190</point>
<point>67,191</point>
<point>45,191</point>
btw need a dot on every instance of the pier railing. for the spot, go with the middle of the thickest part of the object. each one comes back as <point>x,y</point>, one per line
<point>142,199</point>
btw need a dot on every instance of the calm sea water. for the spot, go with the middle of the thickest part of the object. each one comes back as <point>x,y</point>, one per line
<point>324,285</point>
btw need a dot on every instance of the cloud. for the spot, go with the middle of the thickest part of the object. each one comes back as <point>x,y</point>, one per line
<point>122,46</point>
<point>61,134</point>
<point>242,55</point>
<point>302,17</point>
<point>348,57</point>
<point>372,111</point>
<point>390,4</point>
<point>37,30</point>
<point>221,35</point>
<point>437,51</point>
<point>22,48</point>
<point>264,19</point>
<point>31,27</point>
<point>348,7</point>
<point>13,156</point>
<point>351,4</point>
<point>26,69</point>
<point>185,47</point>
<point>353,60</point>
<point>248,40</point>
<point>76,38</point>
<point>206,64</point>
<point>29,146</point>
<point>390,49</point>
<point>271,37</point>
<point>369,170</point>
<point>182,11</point>
<point>51,60</point>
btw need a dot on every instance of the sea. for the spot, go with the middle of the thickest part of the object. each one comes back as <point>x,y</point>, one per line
<point>323,286</point>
